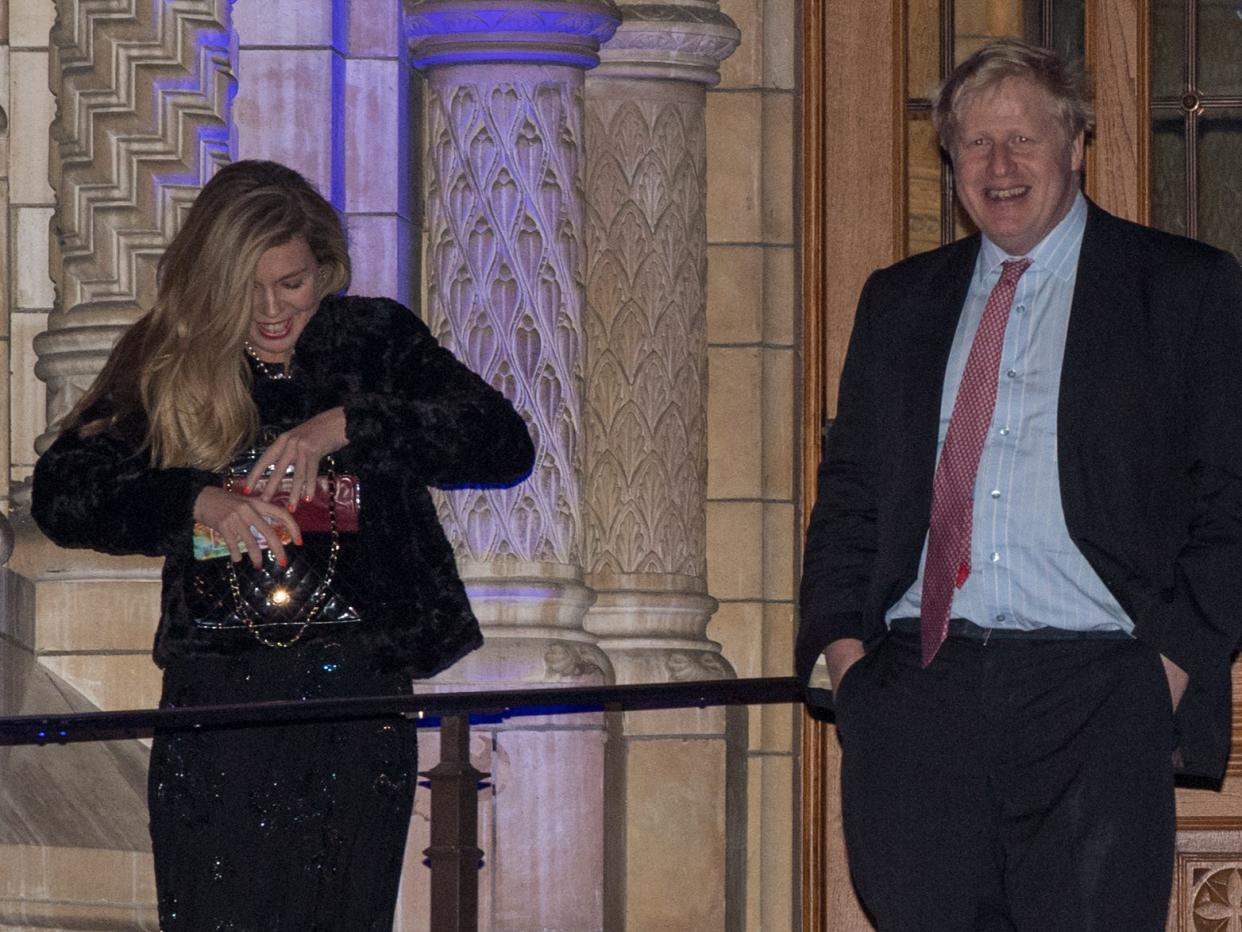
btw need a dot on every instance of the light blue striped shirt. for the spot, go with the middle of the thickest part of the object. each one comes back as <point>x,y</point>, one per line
<point>1025,570</point>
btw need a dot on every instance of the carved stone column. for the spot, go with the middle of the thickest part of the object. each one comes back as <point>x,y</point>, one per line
<point>142,122</point>
<point>504,234</point>
<point>646,380</point>
<point>646,459</point>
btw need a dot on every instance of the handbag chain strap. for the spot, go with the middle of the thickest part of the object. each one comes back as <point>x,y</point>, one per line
<point>314,604</point>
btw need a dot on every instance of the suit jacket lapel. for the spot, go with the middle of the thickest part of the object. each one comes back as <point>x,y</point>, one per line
<point>941,308</point>
<point>1098,346</point>
<point>1092,324</point>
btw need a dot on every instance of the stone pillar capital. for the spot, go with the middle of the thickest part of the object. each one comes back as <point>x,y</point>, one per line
<point>683,41</point>
<point>552,32</point>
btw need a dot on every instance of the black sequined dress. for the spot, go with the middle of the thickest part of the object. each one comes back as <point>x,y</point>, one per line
<point>296,827</point>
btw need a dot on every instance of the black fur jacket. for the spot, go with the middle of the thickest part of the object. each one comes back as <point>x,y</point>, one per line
<point>415,417</point>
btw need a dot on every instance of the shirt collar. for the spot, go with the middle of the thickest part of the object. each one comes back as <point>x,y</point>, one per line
<point>1056,253</point>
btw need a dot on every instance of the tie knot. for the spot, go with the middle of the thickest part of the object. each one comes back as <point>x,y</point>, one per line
<point>1012,269</point>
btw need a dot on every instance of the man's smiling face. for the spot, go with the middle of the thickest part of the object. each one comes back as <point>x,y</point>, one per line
<point>1016,170</point>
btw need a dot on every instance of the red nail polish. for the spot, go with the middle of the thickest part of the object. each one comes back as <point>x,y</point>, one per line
<point>283,561</point>
<point>292,506</point>
<point>245,489</point>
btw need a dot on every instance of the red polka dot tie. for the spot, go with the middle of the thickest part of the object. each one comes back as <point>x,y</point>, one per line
<point>948,539</point>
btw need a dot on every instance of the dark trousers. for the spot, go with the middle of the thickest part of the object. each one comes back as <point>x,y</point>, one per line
<point>1012,785</point>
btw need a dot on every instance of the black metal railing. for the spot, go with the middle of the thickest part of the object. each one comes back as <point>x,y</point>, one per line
<point>453,854</point>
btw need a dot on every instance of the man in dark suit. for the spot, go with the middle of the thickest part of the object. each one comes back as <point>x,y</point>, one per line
<point>1023,562</point>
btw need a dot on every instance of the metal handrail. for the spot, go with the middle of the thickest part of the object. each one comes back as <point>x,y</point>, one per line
<point>453,855</point>
<point>140,723</point>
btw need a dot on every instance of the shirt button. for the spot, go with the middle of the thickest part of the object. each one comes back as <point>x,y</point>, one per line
<point>995,558</point>
<point>1000,617</point>
<point>1004,431</point>
<point>995,493</point>
<point>1012,374</point>
<point>1020,308</point>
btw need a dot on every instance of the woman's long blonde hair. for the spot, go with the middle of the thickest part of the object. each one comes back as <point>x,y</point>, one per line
<point>182,365</point>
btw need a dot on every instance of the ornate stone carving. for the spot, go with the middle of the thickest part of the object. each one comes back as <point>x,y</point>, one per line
<point>505,234</point>
<point>1217,900</point>
<point>504,224</point>
<point>504,220</point>
<point>566,663</point>
<point>646,405</point>
<point>1207,882</point>
<point>646,460</point>
<point>688,666</point>
<point>143,93</point>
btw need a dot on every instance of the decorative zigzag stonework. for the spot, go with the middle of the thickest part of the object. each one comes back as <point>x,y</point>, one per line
<point>143,93</point>
<point>645,415</point>
<point>504,222</point>
<point>141,124</point>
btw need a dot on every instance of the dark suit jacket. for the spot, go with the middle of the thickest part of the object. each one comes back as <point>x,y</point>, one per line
<point>1149,438</point>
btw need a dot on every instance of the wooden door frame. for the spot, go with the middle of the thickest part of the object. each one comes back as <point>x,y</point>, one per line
<point>813,783</point>
<point>852,115</point>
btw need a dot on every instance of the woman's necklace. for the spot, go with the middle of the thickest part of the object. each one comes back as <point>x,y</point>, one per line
<point>269,370</point>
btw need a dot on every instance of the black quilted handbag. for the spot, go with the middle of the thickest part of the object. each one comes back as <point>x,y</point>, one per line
<point>275,604</point>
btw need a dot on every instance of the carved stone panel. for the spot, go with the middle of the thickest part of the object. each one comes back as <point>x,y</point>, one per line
<point>1207,893</point>
<point>505,231</point>
<point>645,417</point>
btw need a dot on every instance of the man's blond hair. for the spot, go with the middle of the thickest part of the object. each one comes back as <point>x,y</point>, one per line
<point>1064,81</point>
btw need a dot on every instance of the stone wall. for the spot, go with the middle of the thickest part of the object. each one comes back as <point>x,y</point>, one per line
<point>753,526</point>
<point>29,202</point>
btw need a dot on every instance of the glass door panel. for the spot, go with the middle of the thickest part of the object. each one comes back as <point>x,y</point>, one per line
<point>1220,179</point>
<point>1168,48</point>
<point>1168,169</point>
<point>1220,48</point>
<point>923,35</point>
<point>924,183</point>
<point>1196,119</point>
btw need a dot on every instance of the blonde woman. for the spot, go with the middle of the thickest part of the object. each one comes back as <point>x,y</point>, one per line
<point>274,441</point>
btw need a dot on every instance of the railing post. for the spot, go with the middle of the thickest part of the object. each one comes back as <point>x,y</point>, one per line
<point>454,853</point>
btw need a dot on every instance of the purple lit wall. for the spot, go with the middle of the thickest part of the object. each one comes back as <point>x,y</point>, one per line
<point>325,87</point>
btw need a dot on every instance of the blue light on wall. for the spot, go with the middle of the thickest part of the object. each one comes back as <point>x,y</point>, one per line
<point>446,32</point>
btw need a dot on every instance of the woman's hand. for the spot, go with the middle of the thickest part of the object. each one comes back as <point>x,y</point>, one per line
<point>239,519</point>
<point>302,447</point>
